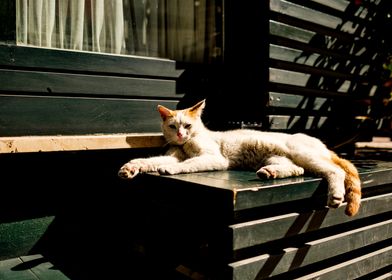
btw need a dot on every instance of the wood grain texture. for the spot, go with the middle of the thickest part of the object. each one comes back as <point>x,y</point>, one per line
<point>28,144</point>
<point>74,61</point>
<point>52,84</point>
<point>256,232</point>
<point>311,252</point>
<point>40,115</point>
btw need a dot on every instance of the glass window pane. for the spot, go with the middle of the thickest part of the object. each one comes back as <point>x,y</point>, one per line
<point>184,30</point>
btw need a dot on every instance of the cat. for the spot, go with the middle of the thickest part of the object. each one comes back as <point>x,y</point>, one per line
<point>195,148</point>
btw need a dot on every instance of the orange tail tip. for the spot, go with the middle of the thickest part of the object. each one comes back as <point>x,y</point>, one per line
<point>353,204</point>
<point>352,185</point>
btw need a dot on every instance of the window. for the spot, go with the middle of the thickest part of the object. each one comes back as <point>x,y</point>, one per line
<point>186,30</point>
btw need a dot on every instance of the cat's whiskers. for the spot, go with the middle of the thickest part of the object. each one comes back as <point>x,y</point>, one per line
<point>176,143</point>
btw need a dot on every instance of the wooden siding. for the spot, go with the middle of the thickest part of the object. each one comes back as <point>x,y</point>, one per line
<point>54,92</point>
<point>320,50</point>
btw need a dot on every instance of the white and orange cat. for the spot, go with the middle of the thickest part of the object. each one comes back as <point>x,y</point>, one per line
<point>194,148</point>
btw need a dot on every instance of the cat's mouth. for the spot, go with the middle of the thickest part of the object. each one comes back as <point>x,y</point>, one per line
<point>181,140</point>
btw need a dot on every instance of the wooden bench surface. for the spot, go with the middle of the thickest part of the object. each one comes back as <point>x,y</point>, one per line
<point>248,191</point>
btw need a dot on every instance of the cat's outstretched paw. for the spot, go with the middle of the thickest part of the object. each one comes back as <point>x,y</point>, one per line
<point>128,171</point>
<point>335,200</point>
<point>266,173</point>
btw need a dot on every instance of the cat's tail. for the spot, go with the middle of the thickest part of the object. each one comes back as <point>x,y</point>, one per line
<point>352,184</point>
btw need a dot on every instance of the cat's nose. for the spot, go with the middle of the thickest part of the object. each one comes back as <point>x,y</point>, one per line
<point>179,135</point>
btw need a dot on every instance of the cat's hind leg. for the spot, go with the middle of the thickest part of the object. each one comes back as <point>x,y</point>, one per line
<point>324,167</point>
<point>279,167</point>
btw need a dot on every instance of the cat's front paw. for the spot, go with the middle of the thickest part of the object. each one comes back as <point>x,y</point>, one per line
<point>267,172</point>
<point>128,171</point>
<point>168,170</point>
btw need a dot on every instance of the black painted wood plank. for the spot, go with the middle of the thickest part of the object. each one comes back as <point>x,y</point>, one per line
<point>335,8</point>
<point>318,71</point>
<point>307,91</point>
<point>282,100</point>
<point>251,195</point>
<point>305,13</point>
<point>73,61</point>
<point>49,83</point>
<point>354,268</point>
<point>248,191</point>
<point>256,232</point>
<point>316,49</point>
<point>315,27</point>
<point>27,115</point>
<point>312,251</point>
<point>295,123</point>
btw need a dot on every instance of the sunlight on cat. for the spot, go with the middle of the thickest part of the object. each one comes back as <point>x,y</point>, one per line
<point>194,148</point>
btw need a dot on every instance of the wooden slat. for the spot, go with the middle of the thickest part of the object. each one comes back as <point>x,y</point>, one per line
<point>332,7</point>
<point>291,9</point>
<point>281,76</point>
<point>282,100</point>
<point>318,71</point>
<point>78,84</point>
<point>82,62</point>
<point>293,55</point>
<point>306,91</point>
<point>312,251</point>
<point>27,144</point>
<point>290,32</point>
<point>26,115</point>
<point>316,49</point>
<point>339,5</point>
<point>354,268</point>
<point>256,232</point>
<point>313,27</point>
<point>289,77</point>
<point>303,123</point>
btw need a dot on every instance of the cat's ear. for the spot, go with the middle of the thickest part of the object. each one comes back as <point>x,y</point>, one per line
<point>165,112</point>
<point>197,109</point>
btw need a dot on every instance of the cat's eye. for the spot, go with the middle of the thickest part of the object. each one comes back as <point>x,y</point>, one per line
<point>187,126</point>
<point>172,126</point>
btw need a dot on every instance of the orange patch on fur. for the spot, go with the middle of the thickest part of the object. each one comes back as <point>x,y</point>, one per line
<point>196,110</point>
<point>165,112</point>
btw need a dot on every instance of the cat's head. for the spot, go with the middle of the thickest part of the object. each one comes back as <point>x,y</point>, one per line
<point>179,126</point>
